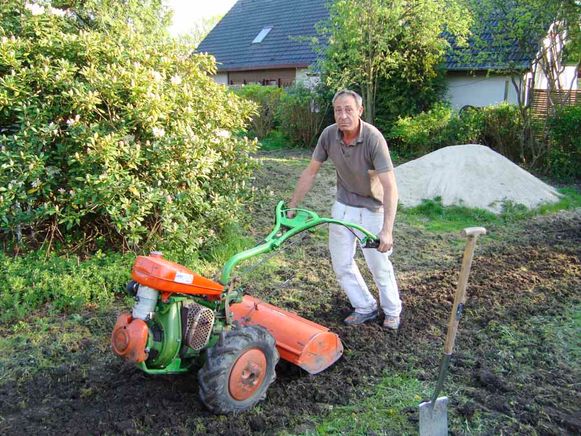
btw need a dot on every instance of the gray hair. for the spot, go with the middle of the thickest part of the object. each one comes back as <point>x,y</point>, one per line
<point>353,94</point>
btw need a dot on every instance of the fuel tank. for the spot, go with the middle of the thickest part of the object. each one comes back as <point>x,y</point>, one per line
<point>169,277</point>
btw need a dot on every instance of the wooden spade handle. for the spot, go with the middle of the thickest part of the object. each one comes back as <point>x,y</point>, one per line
<point>471,233</point>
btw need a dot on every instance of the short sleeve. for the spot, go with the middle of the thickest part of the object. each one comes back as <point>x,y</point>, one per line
<point>320,154</point>
<point>380,154</point>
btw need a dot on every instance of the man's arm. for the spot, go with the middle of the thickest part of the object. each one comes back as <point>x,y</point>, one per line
<point>305,183</point>
<point>390,197</point>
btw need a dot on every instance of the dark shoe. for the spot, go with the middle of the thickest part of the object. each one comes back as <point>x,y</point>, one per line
<point>391,322</point>
<point>359,318</point>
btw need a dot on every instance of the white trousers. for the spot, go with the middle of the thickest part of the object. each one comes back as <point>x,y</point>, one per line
<point>342,245</point>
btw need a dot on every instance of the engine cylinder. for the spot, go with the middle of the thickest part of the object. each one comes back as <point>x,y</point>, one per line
<point>146,301</point>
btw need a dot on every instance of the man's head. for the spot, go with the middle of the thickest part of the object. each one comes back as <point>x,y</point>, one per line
<point>347,107</point>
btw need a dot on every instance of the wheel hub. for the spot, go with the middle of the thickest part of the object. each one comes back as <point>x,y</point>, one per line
<point>247,375</point>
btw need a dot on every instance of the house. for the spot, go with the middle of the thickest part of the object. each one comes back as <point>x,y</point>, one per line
<point>265,41</point>
<point>492,69</point>
<point>268,42</point>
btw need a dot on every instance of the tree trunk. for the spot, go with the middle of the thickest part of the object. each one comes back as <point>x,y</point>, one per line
<point>369,104</point>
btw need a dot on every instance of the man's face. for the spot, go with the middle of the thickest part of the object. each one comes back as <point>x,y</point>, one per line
<point>347,113</point>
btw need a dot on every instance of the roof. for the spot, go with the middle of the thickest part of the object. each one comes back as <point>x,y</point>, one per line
<point>490,51</point>
<point>230,41</point>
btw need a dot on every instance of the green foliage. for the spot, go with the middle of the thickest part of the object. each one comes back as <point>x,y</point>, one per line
<point>267,99</point>
<point>497,126</point>
<point>68,283</point>
<point>399,96</point>
<point>565,143</point>
<point>275,140</point>
<point>64,283</point>
<point>525,24</point>
<point>546,31</point>
<point>112,130</point>
<point>421,134</point>
<point>374,39</point>
<point>302,113</point>
<point>465,127</point>
<point>503,130</point>
<point>200,29</point>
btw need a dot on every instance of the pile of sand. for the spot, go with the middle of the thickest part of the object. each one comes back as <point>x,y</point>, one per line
<point>472,176</point>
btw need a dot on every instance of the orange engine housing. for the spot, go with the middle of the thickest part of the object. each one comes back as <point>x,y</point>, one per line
<point>169,277</point>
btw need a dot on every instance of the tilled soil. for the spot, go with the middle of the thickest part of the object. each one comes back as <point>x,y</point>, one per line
<point>518,276</point>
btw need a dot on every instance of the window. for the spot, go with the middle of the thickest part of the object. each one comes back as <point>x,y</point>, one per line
<point>261,35</point>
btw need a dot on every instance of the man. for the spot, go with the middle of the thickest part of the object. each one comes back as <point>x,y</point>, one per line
<point>366,195</point>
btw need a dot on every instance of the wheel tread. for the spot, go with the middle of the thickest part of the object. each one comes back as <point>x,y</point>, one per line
<point>213,377</point>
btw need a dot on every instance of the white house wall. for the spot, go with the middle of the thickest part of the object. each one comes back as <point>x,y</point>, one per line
<point>307,77</point>
<point>221,78</point>
<point>567,78</point>
<point>480,90</point>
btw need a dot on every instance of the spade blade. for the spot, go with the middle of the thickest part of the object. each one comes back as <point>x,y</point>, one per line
<point>434,417</point>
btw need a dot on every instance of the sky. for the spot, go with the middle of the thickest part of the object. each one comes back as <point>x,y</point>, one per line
<point>188,12</point>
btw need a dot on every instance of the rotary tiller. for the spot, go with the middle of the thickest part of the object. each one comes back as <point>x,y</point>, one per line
<point>182,320</point>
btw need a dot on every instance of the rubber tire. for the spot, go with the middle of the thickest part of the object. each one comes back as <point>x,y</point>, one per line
<point>214,377</point>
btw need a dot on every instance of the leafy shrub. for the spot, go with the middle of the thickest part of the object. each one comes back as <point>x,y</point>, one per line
<point>564,158</point>
<point>267,99</point>
<point>466,126</point>
<point>498,127</point>
<point>414,91</point>
<point>302,113</point>
<point>422,133</point>
<point>502,130</point>
<point>112,131</point>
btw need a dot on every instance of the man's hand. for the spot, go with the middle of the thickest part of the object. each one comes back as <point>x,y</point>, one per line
<point>291,213</point>
<point>385,241</point>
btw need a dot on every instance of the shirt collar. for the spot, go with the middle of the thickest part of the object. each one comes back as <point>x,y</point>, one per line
<point>359,139</point>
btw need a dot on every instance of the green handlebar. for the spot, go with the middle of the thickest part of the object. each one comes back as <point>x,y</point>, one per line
<point>285,228</point>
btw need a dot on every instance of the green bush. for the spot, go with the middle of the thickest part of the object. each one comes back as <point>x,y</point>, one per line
<point>422,133</point>
<point>502,130</point>
<point>113,131</point>
<point>466,126</point>
<point>498,127</point>
<point>564,157</point>
<point>415,91</point>
<point>302,113</point>
<point>267,99</point>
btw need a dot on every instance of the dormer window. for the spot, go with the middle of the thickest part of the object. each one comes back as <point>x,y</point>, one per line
<point>261,35</point>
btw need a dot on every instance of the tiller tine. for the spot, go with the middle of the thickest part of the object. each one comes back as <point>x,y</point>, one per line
<point>300,341</point>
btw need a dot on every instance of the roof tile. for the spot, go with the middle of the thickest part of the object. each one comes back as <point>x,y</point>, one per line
<point>293,22</point>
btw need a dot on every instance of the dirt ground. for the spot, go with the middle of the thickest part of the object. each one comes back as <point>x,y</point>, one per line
<point>529,272</point>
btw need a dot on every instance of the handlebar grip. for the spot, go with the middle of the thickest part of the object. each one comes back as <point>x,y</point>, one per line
<point>371,243</point>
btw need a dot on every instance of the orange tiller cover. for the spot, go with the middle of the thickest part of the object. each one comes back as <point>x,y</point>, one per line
<point>300,341</point>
